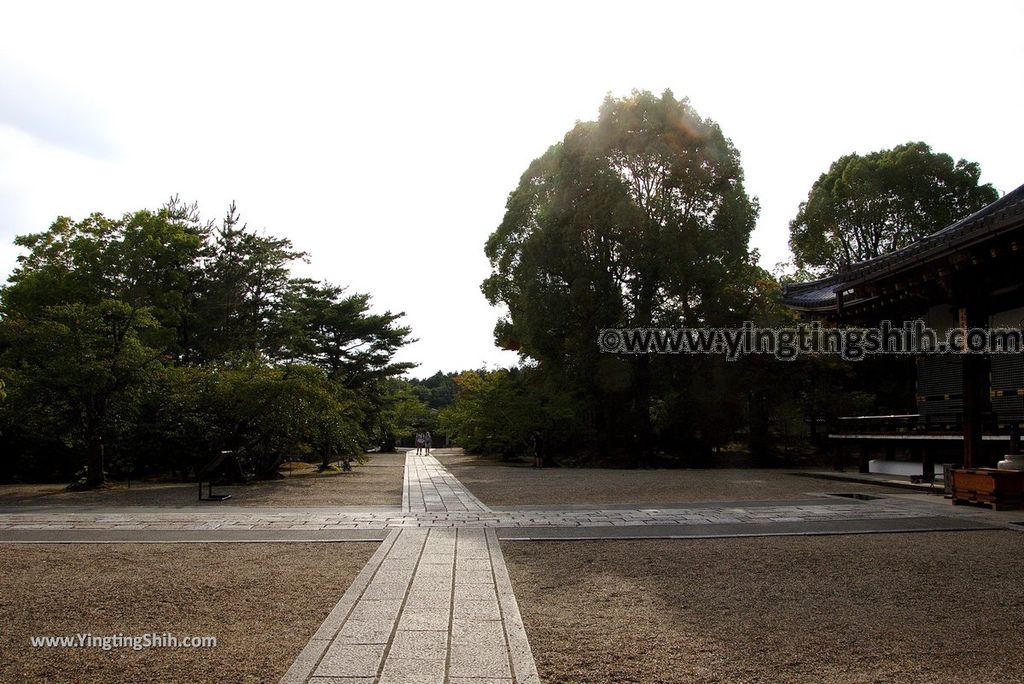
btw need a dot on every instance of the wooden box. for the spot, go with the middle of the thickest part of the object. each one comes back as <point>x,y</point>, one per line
<point>1000,489</point>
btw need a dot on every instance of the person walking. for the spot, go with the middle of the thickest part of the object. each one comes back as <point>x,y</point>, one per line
<point>428,441</point>
<point>420,440</point>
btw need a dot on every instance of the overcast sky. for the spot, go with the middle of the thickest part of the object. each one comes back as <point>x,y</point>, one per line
<point>384,138</point>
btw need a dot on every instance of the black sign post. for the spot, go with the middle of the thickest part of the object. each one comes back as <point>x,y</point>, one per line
<point>208,472</point>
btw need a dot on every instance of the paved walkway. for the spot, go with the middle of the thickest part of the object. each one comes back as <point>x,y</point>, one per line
<point>432,605</point>
<point>238,518</point>
<point>429,487</point>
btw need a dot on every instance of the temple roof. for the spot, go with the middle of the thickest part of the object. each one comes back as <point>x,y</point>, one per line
<point>847,287</point>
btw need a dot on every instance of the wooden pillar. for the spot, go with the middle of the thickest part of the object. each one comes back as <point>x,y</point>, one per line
<point>921,452</point>
<point>838,455</point>
<point>975,390</point>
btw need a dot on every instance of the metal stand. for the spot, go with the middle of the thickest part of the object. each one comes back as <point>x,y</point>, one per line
<point>209,471</point>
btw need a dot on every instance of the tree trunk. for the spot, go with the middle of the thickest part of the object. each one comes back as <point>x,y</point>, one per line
<point>758,429</point>
<point>325,464</point>
<point>643,428</point>
<point>94,476</point>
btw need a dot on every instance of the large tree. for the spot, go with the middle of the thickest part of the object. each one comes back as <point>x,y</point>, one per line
<point>637,219</point>
<point>88,315</point>
<point>867,205</point>
<point>239,294</point>
<point>322,325</point>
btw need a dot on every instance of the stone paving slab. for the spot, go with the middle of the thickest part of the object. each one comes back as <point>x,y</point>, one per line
<point>315,650</point>
<point>764,529</point>
<point>407,620</point>
<point>237,520</point>
<point>869,478</point>
<point>55,535</point>
<point>60,527</point>
<point>429,486</point>
<point>227,509</point>
<point>524,668</point>
<point>813,499</point>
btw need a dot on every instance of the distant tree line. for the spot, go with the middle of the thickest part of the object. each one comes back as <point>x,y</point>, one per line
<point>152,342</point>
<point>437,391</point>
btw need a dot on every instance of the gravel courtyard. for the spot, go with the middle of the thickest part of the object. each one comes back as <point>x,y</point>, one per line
<point>931,607</point>
<point>500,484</point>
<point>881,607</point>
<point>261,601</point>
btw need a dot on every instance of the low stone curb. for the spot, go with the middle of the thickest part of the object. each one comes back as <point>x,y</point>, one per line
<point>308,659</point>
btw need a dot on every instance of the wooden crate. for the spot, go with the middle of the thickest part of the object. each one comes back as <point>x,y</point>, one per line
<point>1000,489</point>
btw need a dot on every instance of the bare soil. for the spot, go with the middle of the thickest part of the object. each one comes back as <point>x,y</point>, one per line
<point>378,482</point>
<point>931,607</point>
<point>262,601</point>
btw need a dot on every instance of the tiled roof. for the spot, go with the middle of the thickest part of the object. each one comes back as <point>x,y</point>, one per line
<point>821,294</point>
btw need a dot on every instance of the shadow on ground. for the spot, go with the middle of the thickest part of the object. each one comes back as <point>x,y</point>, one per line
<point>378,482</point>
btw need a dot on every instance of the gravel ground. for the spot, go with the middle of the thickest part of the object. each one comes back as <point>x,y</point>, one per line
<point>933,607</point>
<point>261,601</point>
<point>498,484</point>
<point>375,483</point>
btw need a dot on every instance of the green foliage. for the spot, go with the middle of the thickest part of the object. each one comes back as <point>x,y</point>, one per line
<point>395,410</point>
<point>638,219</point>
<point>144,259</point>
<point>320,325</point>
<point>155,341</point>
<point>83,366</point>
<point>503,412</point>
<point>868,205</point>
<point>238,293</point>
<point>265,414</point>
<point>437,391</point>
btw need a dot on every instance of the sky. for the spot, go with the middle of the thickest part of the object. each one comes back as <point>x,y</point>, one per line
<point>383,138</point>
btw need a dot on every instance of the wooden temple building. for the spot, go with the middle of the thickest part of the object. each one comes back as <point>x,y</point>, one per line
<point>967,275</point>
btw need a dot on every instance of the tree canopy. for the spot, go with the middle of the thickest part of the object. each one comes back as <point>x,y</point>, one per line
<point>637,219</point>
<point>868,205</point>
<point>505,412</point>
<point>156,340</point>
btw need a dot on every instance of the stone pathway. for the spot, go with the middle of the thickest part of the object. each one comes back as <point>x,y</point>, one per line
<point>226,518</point>
<point>429,487</point>
<point>432,605</point>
